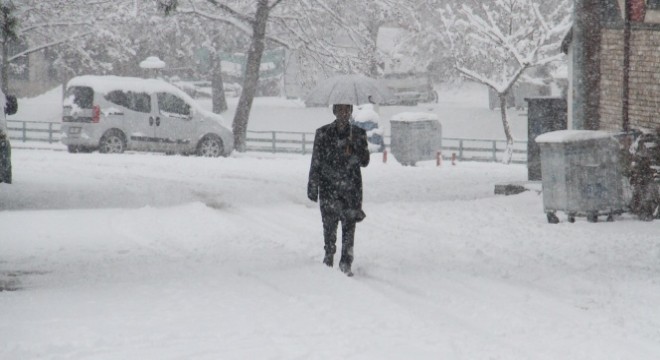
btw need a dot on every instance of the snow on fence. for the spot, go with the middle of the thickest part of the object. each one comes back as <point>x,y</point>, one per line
<point>296,142</point>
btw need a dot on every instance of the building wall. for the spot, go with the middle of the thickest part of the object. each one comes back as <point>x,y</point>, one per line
<point>611,81</point>
<point>644,79</point>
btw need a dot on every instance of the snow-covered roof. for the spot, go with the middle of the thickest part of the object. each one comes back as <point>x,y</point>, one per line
<point>414,116</point>
<point>564,136</point>
<point>107,83</point>
<point>152,62</point>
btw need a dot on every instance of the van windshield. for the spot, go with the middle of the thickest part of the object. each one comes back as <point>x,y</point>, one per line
<point>82,96</point>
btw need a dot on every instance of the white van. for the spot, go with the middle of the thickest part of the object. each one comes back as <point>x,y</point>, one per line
<point>113,114</point>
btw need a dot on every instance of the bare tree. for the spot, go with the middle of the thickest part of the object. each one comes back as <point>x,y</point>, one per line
<point>294,24</point>
<point>40,25</point>
<point>501,40</point>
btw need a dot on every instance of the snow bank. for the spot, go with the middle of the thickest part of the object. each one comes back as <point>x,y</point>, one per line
<point>365,112</point>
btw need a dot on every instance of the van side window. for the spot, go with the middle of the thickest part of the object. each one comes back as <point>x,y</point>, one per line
<point>81,96</point>
<point>140,102</point>
<point>172,104</point>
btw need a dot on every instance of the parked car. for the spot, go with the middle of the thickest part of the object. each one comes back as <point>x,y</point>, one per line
<point>367,118</point>
<point>410,88</point>
<point>114,114</point>
<point>10,108</point>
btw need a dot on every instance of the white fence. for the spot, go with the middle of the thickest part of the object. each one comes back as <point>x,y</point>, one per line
<point>296,142</point>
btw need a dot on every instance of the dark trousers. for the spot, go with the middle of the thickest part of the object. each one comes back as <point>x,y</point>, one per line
<point>331,220</point>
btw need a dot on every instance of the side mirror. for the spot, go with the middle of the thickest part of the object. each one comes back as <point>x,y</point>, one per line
<point>11,106</point>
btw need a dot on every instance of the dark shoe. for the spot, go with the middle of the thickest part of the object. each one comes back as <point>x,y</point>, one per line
<point>328,259</point>
<point>346,269</point>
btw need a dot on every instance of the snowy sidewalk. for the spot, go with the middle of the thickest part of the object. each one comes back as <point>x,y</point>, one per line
<point>166,257</point>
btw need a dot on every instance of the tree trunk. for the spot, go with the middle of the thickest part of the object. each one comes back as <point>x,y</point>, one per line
<point>251,79</point>
<point>217,87</point>
<point>508,153</point>
<point>372,49</point>
<point>5,52</point>
<point>5,67</point>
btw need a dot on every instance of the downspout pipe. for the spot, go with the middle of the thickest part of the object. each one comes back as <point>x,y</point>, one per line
<point>586,64</point>
<point>625,116</point>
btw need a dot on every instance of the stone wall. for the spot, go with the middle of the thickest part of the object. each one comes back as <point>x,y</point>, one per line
<point>644,111</point>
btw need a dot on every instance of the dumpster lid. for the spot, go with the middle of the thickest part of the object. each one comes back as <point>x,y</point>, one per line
<point>414,116</point>
<point>563,136</point>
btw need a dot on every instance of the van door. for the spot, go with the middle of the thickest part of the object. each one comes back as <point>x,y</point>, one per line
<point>138,119</point>
<point>176,130</point>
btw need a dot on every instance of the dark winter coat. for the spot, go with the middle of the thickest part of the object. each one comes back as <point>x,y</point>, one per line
<point>334,175</point>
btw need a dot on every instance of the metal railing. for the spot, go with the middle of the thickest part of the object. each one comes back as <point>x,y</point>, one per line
<point>293,142</point>
<point>42,131</point>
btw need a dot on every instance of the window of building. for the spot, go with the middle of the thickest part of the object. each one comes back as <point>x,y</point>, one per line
<point>653,4</point>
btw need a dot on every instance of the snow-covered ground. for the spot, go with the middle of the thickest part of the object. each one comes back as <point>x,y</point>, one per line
<point>147,256</point>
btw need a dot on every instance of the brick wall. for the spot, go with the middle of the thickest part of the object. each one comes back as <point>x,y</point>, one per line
<point>644,111</point>
<point>611,81</point>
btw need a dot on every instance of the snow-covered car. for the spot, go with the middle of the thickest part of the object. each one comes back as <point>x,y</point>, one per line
<point>113,114</point>
<point>366,117</point>
<point>10,106</point>
<point>410,88</point>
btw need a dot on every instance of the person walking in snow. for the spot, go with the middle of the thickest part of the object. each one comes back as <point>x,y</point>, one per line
<point>340,149</point>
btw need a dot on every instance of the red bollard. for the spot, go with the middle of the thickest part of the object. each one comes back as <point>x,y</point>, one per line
<point>453,158</point>
<point>385,156</point>
<point>438,159</point>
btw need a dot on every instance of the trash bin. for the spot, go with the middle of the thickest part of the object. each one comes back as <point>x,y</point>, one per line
<point>581,174</point>
<point>544,114</point>
<point>416,136</point>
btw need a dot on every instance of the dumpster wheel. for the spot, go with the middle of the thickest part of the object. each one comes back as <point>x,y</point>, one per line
<point>592,217</point>
<point>552,218</point>
<point>571,217</point>
<point>610,217</point>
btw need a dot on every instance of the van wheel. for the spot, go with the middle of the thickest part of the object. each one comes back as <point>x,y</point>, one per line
<point>210,146</point>
<point>112,143</point>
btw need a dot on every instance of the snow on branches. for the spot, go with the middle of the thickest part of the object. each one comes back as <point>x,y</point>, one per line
<point>504,38</point>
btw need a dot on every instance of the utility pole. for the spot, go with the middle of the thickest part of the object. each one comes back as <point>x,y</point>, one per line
<point>586,64</point>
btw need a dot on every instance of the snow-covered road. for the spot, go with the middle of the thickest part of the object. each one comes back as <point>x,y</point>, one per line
<point>145,256</point>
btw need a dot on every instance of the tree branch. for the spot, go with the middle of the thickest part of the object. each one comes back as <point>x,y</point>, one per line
<point>46,25</point>
<point>232,12</point>
<point>238,24</point>
<point>274,4</point>
<point>47,45</point>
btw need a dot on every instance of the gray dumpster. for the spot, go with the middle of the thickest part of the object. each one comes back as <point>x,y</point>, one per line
<point>581,174</point>
<point>544,114</point>
<point>416,136</point>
